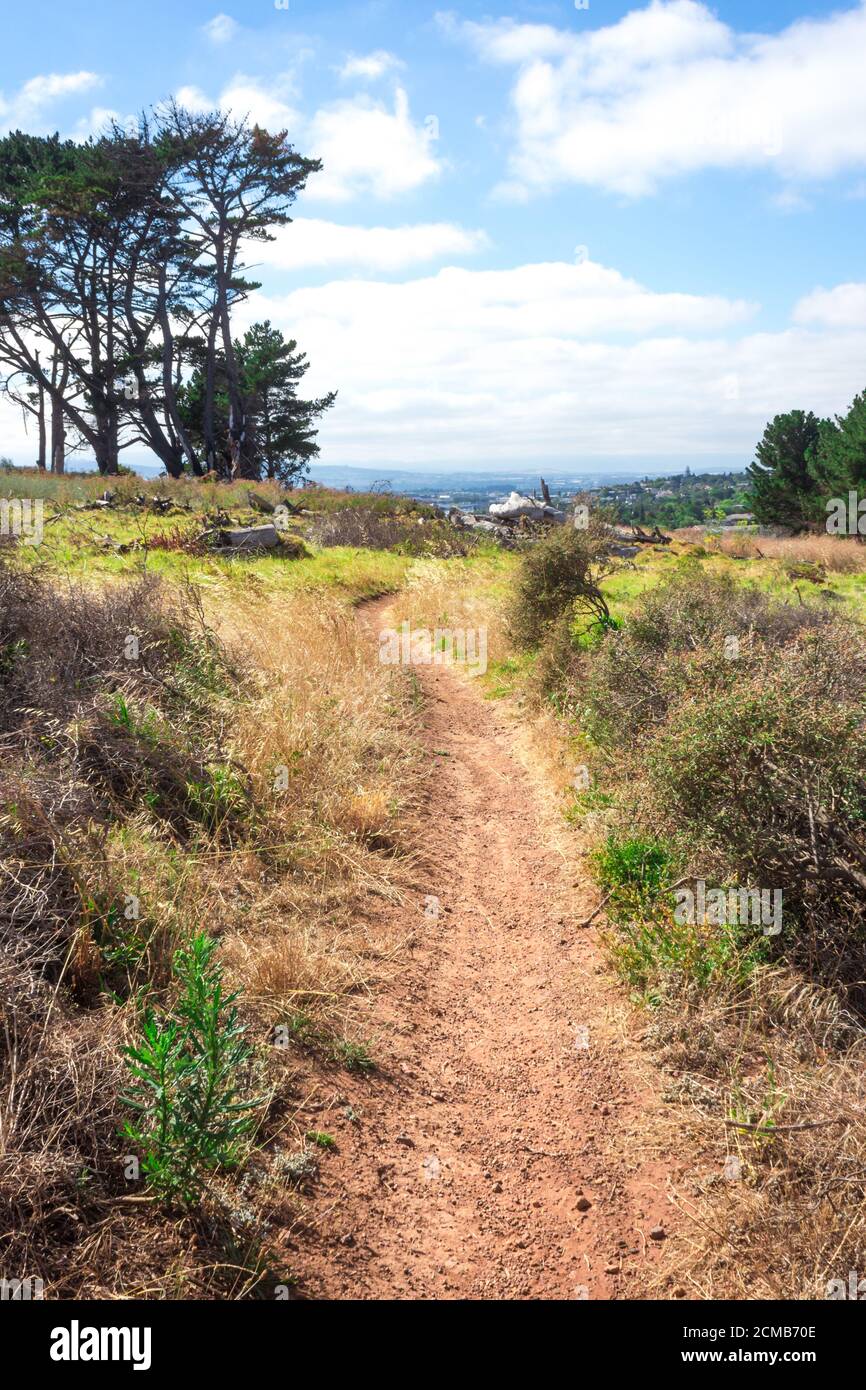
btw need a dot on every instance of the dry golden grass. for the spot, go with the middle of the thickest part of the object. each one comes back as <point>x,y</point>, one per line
<point>843,554</point>
<point>326,740</point>
<point>319,736</point>
<point>778,1210</point>
<point>458,593</point>
<point>323,737</point>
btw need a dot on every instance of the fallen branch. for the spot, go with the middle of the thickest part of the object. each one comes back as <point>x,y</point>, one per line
<point>654,538</point>
<point>593,915</point>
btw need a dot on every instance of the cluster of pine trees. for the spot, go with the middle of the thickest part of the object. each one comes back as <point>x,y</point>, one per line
<point>803,463</point>
<point>121,263</point>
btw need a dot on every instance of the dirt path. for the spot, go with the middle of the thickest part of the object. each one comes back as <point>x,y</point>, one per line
<point>506,1146</point>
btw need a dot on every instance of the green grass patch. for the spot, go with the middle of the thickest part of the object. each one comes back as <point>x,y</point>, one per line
<point>637,873</point>
<point>650,954</point>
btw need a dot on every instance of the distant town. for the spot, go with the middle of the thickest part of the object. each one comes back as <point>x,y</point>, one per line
<point>684,499</point>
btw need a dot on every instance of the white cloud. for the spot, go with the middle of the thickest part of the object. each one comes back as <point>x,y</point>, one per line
<point>221,29</point>
<point>505,41</point>
<point>365,145</point>
<point>790,200</point>
<point>40,91</point>
<point>547,361</point>
<point>552,362</point>
<point>194,99</point>
<point>842,307</point>
<point>369,66</point>
<point>99,119</point>
<point>368,148</point>
<point>310,242</point>
<point>27,107</point>
<point>246,97</point>
<point>267,106</point>
<point>670,89</point>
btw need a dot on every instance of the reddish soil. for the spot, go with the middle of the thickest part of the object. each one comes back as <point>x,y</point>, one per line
<point>508,1144</point>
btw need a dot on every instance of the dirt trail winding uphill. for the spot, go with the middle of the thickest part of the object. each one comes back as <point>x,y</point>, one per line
<point>508,1147</point>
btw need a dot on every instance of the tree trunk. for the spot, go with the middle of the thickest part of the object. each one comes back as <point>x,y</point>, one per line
<point>40,416</point>
<point>237,412</point>
<point>174,422</point>
<point>58,439</point>
<point>105,446</point>
<point>208,428</point>
<point>58,420</point>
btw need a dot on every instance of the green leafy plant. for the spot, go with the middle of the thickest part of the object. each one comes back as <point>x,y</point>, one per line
<point>320,1139</point>
<point>758,1114</point>
<point>121,713</point>
<point>353,1056</point>
<point>655,955</point>
<point>147,727</point>
<point>593,799</point>
<point>186,1087</point>
<point>218,797</point>
<point>636,871</point>
<point>121,943</point>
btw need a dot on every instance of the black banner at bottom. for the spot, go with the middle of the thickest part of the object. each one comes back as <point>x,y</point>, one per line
<point>195,1339</point>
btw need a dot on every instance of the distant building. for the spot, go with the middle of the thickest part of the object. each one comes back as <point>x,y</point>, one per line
<point>738,519</point>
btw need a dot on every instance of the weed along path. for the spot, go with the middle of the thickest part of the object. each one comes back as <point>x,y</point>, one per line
<point>508,1145</point>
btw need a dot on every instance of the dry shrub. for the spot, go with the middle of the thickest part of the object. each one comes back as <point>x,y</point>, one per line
<point>562,668</point>
<point>61,644</point>
<point>774,1084</point>
<point>184,540</point>
<point>842,554</point>
<point>560,577</point>
<point>377,530</point>
<point>60,1157</point>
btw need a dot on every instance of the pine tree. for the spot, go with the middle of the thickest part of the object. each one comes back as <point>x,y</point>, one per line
<point>782,489</point>
<point>271,368</point>
<point>281,434</point>
<point>838,464</point>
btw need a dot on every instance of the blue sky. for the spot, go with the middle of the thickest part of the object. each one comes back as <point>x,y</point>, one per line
<point>543,235</point>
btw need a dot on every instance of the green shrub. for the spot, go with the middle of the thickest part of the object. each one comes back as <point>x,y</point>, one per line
<point>767,777</point>
<point>186,1081</point>
<point>665,954</point>
<point>560,579</point>
<point>677,646</point>
<point>637,874</point>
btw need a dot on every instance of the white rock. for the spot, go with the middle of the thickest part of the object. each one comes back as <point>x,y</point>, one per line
<point>516,506</point>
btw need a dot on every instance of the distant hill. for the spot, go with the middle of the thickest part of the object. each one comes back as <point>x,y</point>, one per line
<point>475,490</point>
